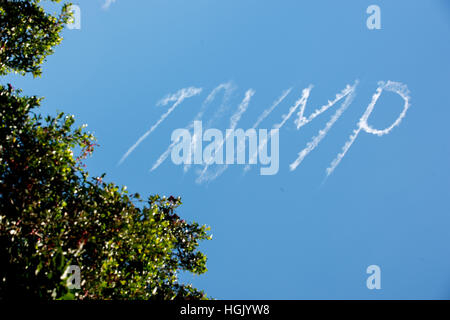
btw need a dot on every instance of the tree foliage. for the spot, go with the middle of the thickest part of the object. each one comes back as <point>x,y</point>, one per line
<point>52,214</point>
<point>28,34</point>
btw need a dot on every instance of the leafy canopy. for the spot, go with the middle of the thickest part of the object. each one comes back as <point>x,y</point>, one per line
<point>27,35</point>
<point>52,214</point>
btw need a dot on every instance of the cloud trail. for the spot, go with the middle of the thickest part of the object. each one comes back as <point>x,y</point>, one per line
<point>164,155</point>
<point>233,123</point>
<point>301,121</point>
<point>349,92</point>
<point>299,103</point>
<point>241,109</point>
<point>271,108</point>
<point>178,97</point>
<point>107,4</point>
<point>228,87</point>
<point>395,87</point>
<point>264,115</point>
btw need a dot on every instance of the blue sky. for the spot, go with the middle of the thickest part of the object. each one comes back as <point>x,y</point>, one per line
<point>293,235</point>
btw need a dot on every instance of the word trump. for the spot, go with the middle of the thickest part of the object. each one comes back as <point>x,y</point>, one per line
<point>189,149</point>
<point>187,146</point>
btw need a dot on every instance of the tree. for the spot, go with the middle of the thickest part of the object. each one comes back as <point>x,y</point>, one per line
<point>28,34</point>
<point>53,215</point>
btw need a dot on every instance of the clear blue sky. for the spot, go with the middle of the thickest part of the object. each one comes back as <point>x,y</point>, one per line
<point>293,235</point>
